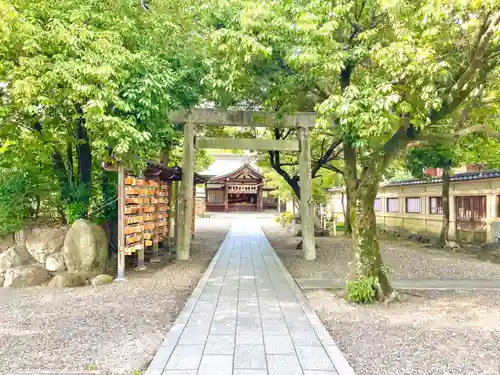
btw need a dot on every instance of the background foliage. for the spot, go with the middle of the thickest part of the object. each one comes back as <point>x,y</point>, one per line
<point>84,81</point>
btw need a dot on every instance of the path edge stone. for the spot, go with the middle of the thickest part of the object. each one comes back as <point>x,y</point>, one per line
<point>160,359</point>
<point>336,356</point>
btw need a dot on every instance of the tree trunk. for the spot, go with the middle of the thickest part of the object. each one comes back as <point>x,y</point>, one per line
<point>367,259</point>
<point>84,162</point>
<point>443,237</point>
<point>351,184</point>
<point>347,218</point>
<point>84,154</point>
<point>69,157</point>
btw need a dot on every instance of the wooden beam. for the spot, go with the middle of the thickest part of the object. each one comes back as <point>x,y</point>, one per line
<point>226,199</point>
<point>186,198</point>
<point>306,208</point>
<point>290,145</point>
<point>265,119</point>
<point>120,276</point>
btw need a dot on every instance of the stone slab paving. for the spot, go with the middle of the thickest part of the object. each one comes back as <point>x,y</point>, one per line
<point>409,284</point>
<point>247,316</point>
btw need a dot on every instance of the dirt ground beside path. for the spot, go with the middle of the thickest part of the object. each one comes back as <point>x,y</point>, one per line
<point>405,259</point>
<point>434,333</point>
<point>439,333</point>
<point>115,328</point>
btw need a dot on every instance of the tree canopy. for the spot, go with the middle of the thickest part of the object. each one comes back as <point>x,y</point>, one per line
<point>83,81</point>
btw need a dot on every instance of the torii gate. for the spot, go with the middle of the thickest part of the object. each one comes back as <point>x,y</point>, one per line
<point>217,117</point>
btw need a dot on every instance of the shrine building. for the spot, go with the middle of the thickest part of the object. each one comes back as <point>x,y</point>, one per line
<point>236,184</point>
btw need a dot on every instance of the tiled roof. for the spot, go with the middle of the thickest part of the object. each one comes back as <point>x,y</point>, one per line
<point>227,163</point>
<point>468,176</point>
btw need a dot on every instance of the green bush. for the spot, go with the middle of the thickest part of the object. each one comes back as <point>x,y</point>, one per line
<point>14,205</point>
<point>362,290</point>
<point>76,201</point>
<point>287,217</point>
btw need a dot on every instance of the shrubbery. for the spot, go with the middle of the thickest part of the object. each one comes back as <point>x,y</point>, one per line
<point>362,290</point>
<point>18,193</point>
<point>287,217</point>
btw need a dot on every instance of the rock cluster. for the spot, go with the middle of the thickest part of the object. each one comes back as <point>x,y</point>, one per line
<point>73,257</point>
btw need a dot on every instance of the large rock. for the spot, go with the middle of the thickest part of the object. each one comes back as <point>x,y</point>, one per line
<point>68,280</point>
<point>6,242</point>
<point>55,262</point>
<point>85,248</point>
<point>41,242</point>
<point>13,257</point>
<point>101,280</point>
<point>31,275</point>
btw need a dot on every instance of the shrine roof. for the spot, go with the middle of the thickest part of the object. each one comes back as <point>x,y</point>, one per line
<point>154,169</point>
<point>244,172</point>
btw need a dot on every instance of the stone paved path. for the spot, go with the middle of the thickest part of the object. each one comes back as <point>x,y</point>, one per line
<point>248,317</point>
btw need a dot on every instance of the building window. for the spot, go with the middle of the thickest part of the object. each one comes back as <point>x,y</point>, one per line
<point>413,205</point>
<point>436,205</point>
<point>215,196</point>
<point>377,205</point>
<point>392,204</point>
<point>470,208</point>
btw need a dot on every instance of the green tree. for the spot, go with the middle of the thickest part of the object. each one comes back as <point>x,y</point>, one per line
<point>385,73</point>
<point>83,81</point>
<point>437,156</point>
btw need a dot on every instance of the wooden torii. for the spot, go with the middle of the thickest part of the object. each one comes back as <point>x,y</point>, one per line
<point>303,121</point>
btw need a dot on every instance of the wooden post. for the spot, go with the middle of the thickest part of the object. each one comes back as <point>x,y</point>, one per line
<point>194,212</point>
<point>140,252</point>
<point>120,276</point>
<point>156,236</point>
<point>186,202</point>
<point>140,258</point>
<point>176,224</point>
<point>170,222</point>
<point>260,199</point>
<point>226,198</point>
<point>306,214</point>
<point>281,218</point>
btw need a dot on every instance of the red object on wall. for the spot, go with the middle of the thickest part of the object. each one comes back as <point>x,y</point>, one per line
<point>434,172</point>
<point>473,168</point>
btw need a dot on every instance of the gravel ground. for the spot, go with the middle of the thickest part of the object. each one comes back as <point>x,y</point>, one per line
<point>406,260</point>
<point>438,333</point>
<point>115,328</point>
<point>434,333</point>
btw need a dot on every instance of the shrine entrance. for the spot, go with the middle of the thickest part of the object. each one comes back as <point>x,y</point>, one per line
<point>237,192</point>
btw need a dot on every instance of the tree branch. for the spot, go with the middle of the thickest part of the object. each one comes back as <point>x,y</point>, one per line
<point>287,134</point>
<point>363,4</point>
<point>333,168</point>
<point>479,128</point>
<point>463,86</point>
<point>325,158</point>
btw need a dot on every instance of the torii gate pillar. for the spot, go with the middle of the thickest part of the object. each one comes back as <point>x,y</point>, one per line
<point>186,204</point>
<point>306,211</point>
